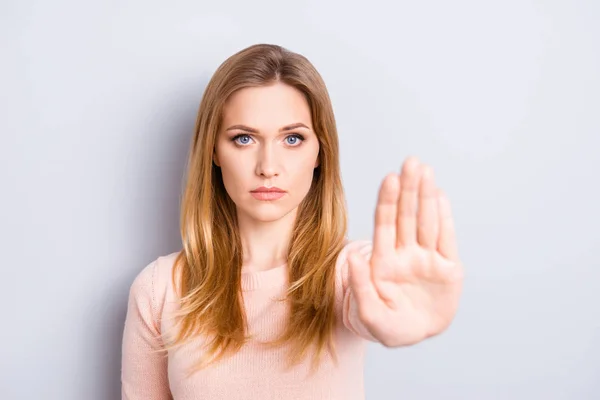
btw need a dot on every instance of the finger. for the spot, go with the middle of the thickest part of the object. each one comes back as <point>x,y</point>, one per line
<point>447,238</point>
<point>428,219</point>
<point>384,236</point>
<point>361,281</point>
<point>408,202</point>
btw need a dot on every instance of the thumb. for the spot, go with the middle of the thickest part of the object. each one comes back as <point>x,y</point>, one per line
<point>361,282</point>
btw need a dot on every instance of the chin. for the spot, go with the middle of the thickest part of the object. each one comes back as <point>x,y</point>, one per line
<point>268,212</point>
<point>266,216</point>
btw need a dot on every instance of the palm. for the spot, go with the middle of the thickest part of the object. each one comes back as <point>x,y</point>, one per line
<point>409,288</point>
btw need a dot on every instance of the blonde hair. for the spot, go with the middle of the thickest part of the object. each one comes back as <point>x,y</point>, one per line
<point>207,271</point>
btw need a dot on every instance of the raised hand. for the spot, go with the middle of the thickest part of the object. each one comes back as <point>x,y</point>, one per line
<point>410,287</point>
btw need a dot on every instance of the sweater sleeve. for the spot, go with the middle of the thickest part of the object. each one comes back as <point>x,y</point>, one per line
<point>143,371</point>
<point>349,307</point>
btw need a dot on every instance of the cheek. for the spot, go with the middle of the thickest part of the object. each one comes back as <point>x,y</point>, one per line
<point>235,174</point>
<point>303,172</point>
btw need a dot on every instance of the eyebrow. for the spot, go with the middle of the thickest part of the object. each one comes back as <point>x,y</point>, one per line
<point>284,129</point>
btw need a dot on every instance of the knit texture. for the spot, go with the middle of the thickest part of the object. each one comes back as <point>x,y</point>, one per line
<point>254,372</point>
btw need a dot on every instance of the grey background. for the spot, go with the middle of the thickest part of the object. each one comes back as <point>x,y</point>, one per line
<point>98,102</point>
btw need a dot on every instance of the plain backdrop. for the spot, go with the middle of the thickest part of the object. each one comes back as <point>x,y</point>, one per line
<point>98,101</point>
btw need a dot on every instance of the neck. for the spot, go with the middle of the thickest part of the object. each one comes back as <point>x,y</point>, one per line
<point>265,243</point>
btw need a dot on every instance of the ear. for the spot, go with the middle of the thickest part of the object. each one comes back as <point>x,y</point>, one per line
<point>215,159</point>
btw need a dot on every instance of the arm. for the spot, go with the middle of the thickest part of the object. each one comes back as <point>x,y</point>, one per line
<point>143,370</point>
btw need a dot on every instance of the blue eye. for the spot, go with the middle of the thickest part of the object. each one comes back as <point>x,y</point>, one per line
<point>296,137</point>
<point>245,139</point>
<point>242,135</point>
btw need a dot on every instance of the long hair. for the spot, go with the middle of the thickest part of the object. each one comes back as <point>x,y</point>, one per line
<point>207,271</point>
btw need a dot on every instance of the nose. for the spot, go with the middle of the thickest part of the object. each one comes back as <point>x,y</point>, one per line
<point>266,164</point>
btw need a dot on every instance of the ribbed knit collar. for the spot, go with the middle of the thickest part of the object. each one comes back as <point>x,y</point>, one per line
<point>274,277</point>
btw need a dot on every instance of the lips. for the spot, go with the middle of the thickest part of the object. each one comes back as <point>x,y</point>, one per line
<point>265,193</point>
<point>264,189</point>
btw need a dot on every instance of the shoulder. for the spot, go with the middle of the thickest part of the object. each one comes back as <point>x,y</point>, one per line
<point>154,282</point>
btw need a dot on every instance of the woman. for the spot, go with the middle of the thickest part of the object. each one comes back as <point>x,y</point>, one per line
<point>268,299</point>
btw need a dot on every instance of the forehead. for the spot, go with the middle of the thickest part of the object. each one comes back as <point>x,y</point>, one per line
<point>267,107</point>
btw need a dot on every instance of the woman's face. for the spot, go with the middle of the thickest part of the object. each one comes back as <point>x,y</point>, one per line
<point>267,139</point>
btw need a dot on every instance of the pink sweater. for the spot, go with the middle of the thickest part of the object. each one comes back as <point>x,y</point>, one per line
<point>252,373</point>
